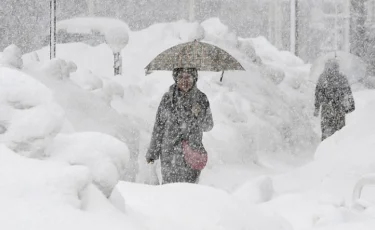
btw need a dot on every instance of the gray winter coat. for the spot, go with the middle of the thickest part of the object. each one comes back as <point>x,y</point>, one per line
<point>175,122</point>
<point>334,95</point>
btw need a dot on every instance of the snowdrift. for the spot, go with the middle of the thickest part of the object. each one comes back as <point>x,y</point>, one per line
<point>34,125</point>
<point>85,125</point>
<point>265,120</point>
<point>11,57</point>
<point>105,156</point>
<point>342,159</point>
<point>323,189</point>
<point>28,115</point>
<point>43,195</point>
<point>88,25</point>
<point>187,206</point>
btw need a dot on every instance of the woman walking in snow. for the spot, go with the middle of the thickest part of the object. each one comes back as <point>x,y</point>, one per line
<point>182,117</point>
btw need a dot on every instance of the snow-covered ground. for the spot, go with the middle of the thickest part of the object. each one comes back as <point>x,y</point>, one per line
<point>71,132</point>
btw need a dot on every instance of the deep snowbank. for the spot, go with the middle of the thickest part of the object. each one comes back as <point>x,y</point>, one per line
<point>265,121</point>
<point>28,115</point>
<point>256,121</point>
<point>43,195</point>
<point>31,119</point>
<point>342,159</point>
<point>323,189</point>
<point>187,206</point>
<point>105,156</point>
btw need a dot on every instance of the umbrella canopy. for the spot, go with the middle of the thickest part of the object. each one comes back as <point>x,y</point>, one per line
<point>200,55</point>
<point>352,66</point>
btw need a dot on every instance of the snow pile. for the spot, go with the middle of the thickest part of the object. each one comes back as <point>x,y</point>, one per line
<point>270,54</point>
<point>288,72</point>
<point>87,25</point>
<point>257,191</point>
<point>218,33</point>
<point>42,195</point>
<point>363,225</point>
<point>186,206</point>
<point>267,68</point>
<point>262,119</point>
<point>259,121</point>
<point>113,90</point>
<point>247,47</point>
<point>322,190</point>
<point>181,30</point>
<point>280,66</point>
<point>29,118</point>
<point>11,57</point>
<point>104,155</point>
<point>86,79</point>
<point>312,210</point>
<point>84,56</point>
<point>59,69</point>
<point>274,74</point>
<point>343,158</point>
<point>91,111</point>
<point>192,31</point>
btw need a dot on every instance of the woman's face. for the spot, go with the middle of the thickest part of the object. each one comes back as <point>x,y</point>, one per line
<point>185,81</point>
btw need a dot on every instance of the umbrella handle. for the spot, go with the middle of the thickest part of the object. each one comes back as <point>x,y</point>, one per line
<point>222,76</point>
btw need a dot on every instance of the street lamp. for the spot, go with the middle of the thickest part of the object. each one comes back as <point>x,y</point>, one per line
<point>347,25</point>
<point>117,39</point>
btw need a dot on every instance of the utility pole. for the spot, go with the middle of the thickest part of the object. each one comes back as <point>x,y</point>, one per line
<point>52,29</point>
<point>294,27</point>
<point>347,26</point>
<point>191,10</point>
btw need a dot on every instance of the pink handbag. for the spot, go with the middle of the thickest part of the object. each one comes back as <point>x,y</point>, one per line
<point>194,159</point>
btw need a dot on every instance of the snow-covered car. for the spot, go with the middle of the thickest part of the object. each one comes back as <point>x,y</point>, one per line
<point>89,30</point>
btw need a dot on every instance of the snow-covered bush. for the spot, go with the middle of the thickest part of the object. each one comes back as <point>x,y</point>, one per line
<point>44,195</point>
<point>59,69</point>
<point>256,191</point>
<point>12,57</point>
<point>272,73</point>
<point>218,33</point>
<point>192,31</point>
<point>246,47</point>
<point>112,89</point>
<point>28,115</point>
<point>86,79</point>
